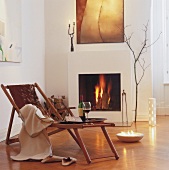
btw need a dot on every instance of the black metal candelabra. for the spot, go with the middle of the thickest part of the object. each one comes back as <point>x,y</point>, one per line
<point>71,34</point>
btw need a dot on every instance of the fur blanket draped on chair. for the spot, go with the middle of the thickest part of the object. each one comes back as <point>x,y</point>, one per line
<point>33,136</point>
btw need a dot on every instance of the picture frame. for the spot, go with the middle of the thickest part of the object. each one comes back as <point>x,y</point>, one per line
<point>100,21</point>
<point>10,31</point>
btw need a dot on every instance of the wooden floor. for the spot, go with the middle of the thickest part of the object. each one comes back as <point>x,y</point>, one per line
<point>151,153</point>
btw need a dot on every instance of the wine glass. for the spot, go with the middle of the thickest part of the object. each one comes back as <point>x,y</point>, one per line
<point>86,108</point>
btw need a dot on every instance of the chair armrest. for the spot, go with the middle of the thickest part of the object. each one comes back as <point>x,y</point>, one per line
<point>71,107</point>
<point>81,126</point>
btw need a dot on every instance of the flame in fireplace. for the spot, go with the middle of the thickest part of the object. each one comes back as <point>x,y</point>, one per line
<point>102,82</point>
<point>97,93</point>
<point>102,93</point>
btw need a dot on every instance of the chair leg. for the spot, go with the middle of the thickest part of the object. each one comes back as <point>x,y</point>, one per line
<point>110,142</point>
<point>73,136</point>
<point>82,146</point>
<point>10,126</point>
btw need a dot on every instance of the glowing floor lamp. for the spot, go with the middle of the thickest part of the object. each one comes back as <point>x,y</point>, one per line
<point>152,111</point>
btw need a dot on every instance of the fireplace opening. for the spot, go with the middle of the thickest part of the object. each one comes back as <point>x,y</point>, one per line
<point>102,90</point>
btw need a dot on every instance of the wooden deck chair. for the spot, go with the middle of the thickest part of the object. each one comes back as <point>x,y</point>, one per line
<point>20,95</point>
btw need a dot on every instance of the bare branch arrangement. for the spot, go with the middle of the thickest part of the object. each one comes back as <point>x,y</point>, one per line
<point>138,62</point>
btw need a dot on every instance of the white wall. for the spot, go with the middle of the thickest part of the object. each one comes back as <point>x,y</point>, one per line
<point>160,89</point>
<point>31,69</point>
<point>57,16</point>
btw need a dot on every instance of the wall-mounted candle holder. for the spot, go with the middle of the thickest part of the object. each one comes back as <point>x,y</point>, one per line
<point>71,34</point>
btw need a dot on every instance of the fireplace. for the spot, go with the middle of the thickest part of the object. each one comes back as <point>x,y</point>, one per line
<point>102,90</point>
<point>114,63</point>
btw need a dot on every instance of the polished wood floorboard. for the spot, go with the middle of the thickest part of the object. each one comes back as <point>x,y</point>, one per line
<point>151,153</point>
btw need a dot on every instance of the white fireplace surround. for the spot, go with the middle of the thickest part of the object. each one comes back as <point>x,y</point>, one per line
<point>97,62</point>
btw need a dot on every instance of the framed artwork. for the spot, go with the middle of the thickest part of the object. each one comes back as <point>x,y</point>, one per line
<point>100,21</point>
<point>10,31</point>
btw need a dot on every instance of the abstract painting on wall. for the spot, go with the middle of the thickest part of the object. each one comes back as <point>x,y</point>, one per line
<point>100,21</point>
<point>10,31</point>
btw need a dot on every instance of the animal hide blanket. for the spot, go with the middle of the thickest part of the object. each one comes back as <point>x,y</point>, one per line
<point>33,136</point>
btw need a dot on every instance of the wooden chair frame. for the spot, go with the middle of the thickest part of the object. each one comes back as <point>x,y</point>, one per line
<point>60,127</point>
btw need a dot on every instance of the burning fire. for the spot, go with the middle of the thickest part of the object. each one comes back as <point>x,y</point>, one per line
<point>129,133</point>
<point>102,93</point>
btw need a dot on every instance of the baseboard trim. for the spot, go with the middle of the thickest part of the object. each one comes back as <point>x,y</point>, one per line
<point>142,117</point>
<point>15,130</point>
<point>162,111</point>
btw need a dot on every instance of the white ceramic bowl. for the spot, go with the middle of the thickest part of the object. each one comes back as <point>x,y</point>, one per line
<point>130,138</point>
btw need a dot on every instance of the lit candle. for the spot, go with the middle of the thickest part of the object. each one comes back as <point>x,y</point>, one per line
<point>73,27</point>
<point>69,23</point>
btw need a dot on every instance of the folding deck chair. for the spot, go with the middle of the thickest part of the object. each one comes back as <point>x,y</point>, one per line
<point>20,95</point>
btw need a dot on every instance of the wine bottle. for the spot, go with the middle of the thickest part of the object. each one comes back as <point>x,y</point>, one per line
<point>80,109</point>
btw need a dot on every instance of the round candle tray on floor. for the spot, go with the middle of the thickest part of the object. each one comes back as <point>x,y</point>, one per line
<point>124,137</point>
